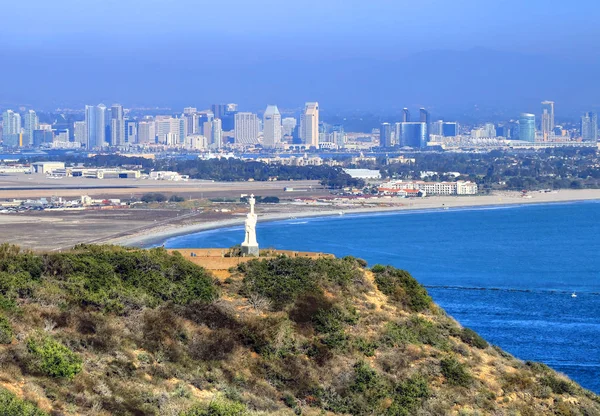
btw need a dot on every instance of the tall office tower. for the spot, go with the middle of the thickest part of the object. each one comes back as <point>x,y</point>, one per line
<point>219,110</point>
<point>216,134</point>
<point>117,125</point>
<point>11,129</point>
<point>288,125</point>
<point>309,125</point>
<point>80,133</point>
<point>31,123</point>
<point>398,133</point>
<point>437,128</point>
<point>11,123</point>
<point>100,126</point>
<point>166,125</point>
<point>271,127</point>
<point>146,132</point>
<point>246,129</point>
<point>130,131</point>
<point>190,110</point>
<point>413,134</point>
<point>405,115</point>
<point>589,127</point>
<point>385,135</point>
<point>424,115</point>
<point>201,119</point>
<point>41,137</point>
<point>547,118</point>
<point>527,127</point>
<point>90,126</point>
<point>489,130</point>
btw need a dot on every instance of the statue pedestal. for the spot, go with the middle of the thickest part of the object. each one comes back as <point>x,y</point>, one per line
<point>250,250</point>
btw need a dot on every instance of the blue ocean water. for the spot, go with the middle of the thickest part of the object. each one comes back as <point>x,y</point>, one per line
<point>506,272</point>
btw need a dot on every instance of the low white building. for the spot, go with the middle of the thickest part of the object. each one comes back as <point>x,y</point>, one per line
<point>46,167</point>
<point>168,176</point>
<point>364,173</point>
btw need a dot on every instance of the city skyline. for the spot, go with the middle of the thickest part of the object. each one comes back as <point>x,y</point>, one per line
<point>135,58</point>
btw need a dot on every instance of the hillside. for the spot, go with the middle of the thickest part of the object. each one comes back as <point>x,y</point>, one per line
<point>104,330</point>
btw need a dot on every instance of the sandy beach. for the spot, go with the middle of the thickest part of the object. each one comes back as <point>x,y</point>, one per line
<point>161,233</point>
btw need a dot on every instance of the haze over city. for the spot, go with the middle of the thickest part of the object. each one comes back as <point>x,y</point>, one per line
<point>378,56</point>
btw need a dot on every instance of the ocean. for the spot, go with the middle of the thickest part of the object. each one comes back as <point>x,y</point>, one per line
<point>507,272</point>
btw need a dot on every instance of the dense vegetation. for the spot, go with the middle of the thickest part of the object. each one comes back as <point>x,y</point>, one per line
<point>515,170</point>
<point>103,330</point>
<point>239,170</point>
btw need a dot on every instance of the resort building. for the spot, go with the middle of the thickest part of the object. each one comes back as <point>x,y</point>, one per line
<point>429,188</point>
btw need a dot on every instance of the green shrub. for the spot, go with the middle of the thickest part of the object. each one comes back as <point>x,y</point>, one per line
<point>558,385</point>
<point>401,287</point>
<point>468,336</point>
<point>6,332</point>
<point>111,277</point>
<point>415,330</point>
<point>408,396</point>
<point>51,358</point>
<point>366,347</point>
<point>455,372</point>
<point>176,198</point>
<point>285,279</point>
<point>10,405</point>
<point>218,407</point>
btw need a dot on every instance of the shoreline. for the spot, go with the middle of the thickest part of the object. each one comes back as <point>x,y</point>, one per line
<point>435,203</point>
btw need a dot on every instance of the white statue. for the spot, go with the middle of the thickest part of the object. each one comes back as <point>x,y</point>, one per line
<point>250,245</point>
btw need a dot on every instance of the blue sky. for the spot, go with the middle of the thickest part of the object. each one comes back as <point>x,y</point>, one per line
<point>355,54</point>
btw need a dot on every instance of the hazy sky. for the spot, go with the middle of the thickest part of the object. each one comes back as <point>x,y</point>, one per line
<point>344,53</point>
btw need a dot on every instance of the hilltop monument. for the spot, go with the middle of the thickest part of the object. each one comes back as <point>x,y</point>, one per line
<point>250,245</point>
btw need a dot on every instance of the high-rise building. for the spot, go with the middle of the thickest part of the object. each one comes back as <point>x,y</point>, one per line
<point>170,130</point>
<point>11,123</point>
<point>246,129</point>
<point>11,129</point>
<point>96,125</point>
<point>413,134</point>
<point>117,125</point>
<point>547,118</point>
<point>80,133</point>
<point>589,127</point>
<point>216,134</point>
<point>271,127</point>
<point>146,132</point>
<point>90,126</point>
<point>385,135</point>
<point>190,110</point>
<point>130,131</point>
<point>527,127</point>
<point>405,115</point>
<point>309,125</point>
<point>289,124</point>
<point>41,137</point>
<point>31,123</point>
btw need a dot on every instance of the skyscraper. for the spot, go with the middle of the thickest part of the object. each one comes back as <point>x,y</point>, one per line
<point>246,129</point>
<point>405,115</point>
<point>11,122</point>
<point>271,127</point>
<point>90,126</point>
<point>547,118</point>
<point>309,125</point>
<point>413,134</point>
<point>146,132</point>
<point>385,135</point>
<point>289,124</point>
<point>80,133</point>
<point>100,126</point>
<point>424,118</point>
<point>527,127</point>
<point>32,123</point>
<point>11,129</point>
<point>216,134</point>
<point>131,131</point>
<point>589,127</point>
<point>117,125</point>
